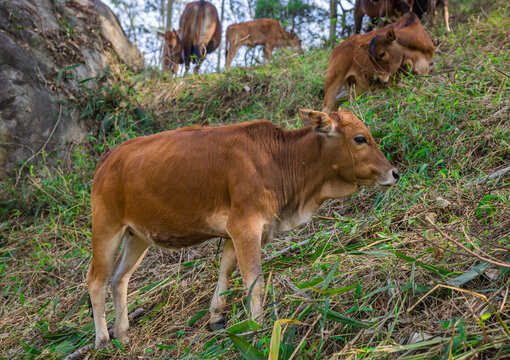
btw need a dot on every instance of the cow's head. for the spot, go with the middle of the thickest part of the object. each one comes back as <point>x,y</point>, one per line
<point>292,40</point>
<point>385,54</point>
<point>172,50</point>
<point>349,149</point>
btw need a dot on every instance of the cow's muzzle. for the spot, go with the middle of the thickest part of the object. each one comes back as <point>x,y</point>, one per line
<point>390,177</point>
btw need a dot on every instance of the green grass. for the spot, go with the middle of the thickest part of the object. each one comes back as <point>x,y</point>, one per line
<point>362,287</point>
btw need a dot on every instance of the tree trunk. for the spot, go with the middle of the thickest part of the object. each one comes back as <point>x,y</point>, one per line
<point>169,12</point>
<point>219,47</point>
<point>332,20</point>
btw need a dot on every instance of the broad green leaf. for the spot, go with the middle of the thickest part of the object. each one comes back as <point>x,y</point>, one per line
<point>469,275</point>
<point>333,315</point>
<point>195,318</point>
<point>244,326</point>
<point>246,349</point>
<point>274,346</point>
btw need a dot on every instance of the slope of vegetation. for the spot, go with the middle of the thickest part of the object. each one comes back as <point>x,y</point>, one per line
<point>381,276</point>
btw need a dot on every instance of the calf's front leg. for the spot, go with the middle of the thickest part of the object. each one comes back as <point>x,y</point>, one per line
<point>246,235</point>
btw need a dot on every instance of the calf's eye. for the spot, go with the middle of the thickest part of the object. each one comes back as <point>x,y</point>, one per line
<point>381,54</point>
<point>360,140</point>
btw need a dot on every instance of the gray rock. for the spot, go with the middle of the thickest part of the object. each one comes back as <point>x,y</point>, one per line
<point>38,38</point>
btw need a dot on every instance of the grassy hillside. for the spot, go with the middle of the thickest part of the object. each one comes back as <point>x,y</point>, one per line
<point>381,275</point>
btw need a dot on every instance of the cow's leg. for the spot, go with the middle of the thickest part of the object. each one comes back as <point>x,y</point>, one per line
<point>105,242</point>
<point>446,16</point>
<point>230,55</point>
<point>187,58</point>
<point>228,263</point>
<point>133,251</point>
<point>246,233</point>
<point>267,49</point>
<point>333,86</point>
<point>358,17</point>
<point>432,11</point>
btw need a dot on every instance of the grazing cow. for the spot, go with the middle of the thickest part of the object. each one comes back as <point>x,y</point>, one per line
<point>241,182</point>
<point>172,51</point>
<point>350,63</point>
<point>265,32</point>
<point>200,32</point>
<point>423,6</point>
<point>378,10</point>
<point>408,48</point>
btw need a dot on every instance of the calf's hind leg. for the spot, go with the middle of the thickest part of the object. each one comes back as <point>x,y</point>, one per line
<point>228,263</point>
<point>133,251</point>
<point>105,242</point>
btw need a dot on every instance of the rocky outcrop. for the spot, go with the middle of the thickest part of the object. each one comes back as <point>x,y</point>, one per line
<point>40,42</point>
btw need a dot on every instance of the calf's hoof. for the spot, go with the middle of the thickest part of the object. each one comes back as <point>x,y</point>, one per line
<point>217,324</point>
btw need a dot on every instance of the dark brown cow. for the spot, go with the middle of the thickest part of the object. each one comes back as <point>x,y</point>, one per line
<point>350,63</point>
<point>200,32</point>
<point>378,10</point>
<point>265,32</point>
<point>430,6</point>
<point>409,48</point>
<point>172,51</point>
<point>239,182</point>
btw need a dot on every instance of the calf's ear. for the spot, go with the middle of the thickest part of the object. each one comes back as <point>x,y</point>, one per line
<point>320,121</point>
<point>365,46</point>
<point>390,35</point>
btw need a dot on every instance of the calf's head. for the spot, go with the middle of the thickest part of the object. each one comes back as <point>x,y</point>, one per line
<point>350,151</point>
<point>292,40</point>
<point>385,54</point>
<point>172,50</point>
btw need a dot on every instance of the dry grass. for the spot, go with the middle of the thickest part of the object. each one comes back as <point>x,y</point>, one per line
<point>363,286</point>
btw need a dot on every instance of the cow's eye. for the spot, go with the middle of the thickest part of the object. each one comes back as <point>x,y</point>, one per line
<point>381,54</point>
<point>360,140</point>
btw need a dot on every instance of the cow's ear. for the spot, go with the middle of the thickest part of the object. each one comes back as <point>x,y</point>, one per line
<point>390,35</point>
<point>365,46</point>
<point>161,34</point>
<point>320,121</point>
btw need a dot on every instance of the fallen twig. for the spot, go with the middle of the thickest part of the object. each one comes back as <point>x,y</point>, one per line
<point>80,352</point>
<point>491,260</point>
<point>480,296</point>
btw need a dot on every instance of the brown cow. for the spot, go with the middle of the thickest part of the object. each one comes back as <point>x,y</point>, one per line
<point>350,64</point>
<point>409,48</point>
<point>265,32</point>
<point>200,32</point>
<point>378,10</point>
<point>423,6</point>
<point>172,51</point>
<point>241,182</point>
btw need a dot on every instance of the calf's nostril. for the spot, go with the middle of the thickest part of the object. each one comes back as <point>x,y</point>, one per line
<point>395,174</point>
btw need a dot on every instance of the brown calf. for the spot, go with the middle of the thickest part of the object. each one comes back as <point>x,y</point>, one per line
<point>265,32</point>
<point>378,10</point>
<point>408,48</point>
<point>352,65</point>
<point>241,182</point>
<point>172,51</point>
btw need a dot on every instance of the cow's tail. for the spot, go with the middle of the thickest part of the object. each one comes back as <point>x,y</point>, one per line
<point>198,48</point>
